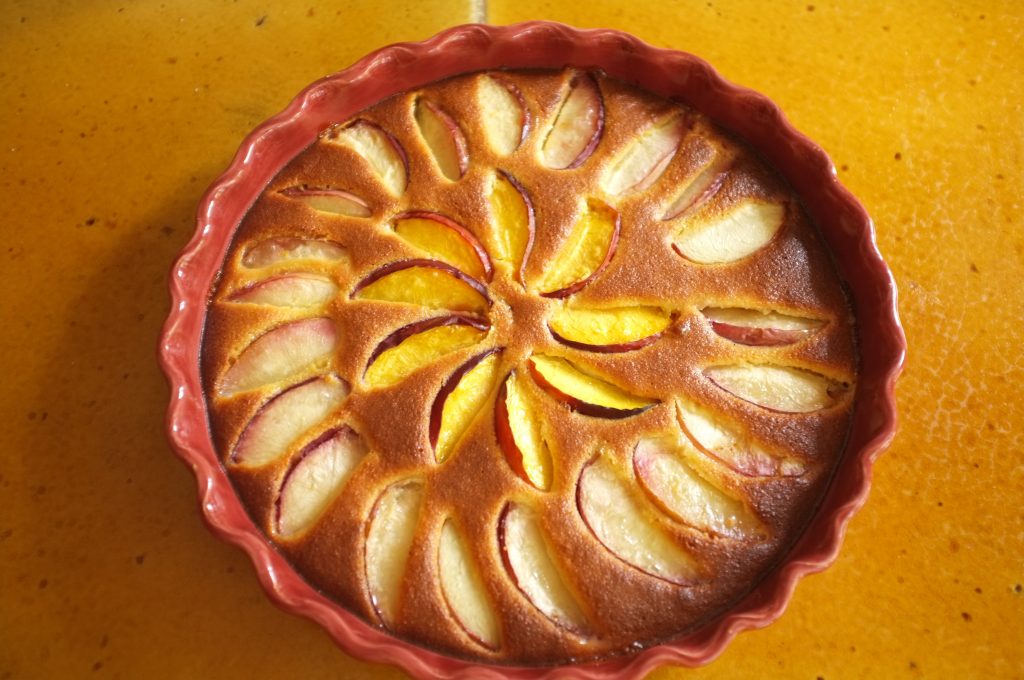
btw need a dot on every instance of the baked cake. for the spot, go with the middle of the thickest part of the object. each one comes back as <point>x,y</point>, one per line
<point>529,367</point>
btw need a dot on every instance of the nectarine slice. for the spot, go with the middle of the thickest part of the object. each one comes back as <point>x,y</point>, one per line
<point>732,236</point>
<point>585,253</point>
<point>277,250</point>
<point>582,392</point>
<point>778,388</point>
<point>645,159</point>
<point>426,283</point>
<point>296,289</point>
<point>459,400</point>
<point>281,353</point>
<point>389,537</point>
<point>420,344</point>
<point>759,327</point>
<point>513,219</point>
<point>443,239</point>
<point>615,329</point>
<point>700,189</point>
<point>577,126</point>
<point>379,148</point>
<point>464,590</point>
<point>333,201</point>
<point>443,137</point>
<point>504,116</point>
<point>519,433</point>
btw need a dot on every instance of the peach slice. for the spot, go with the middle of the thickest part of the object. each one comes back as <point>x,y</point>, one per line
<point>315,478</point>
<point>698,191</point>
<point>460,399</point>
<point>514,223</point>
<point>645,159</point>
<point>577,127</point>
<point>519,434</point>
<point>419,344</point>
<point>288,290</point>
<point>279,354</point>
<point>727,444</point>
<point>444,239</point>
<point>277,250</point>
<point>777,388</point>
<point>379,148</point>
<point>624,525</point>
<point>616,329</point>
<point>427,283</point>
<point>586,252</point>
<point>505,118</point>
<point>740,232</point>
<point>681,492</point>
<point>527,556</point>
<point>464,590</point>
<point>444,138</point>
<point>389,538</point>
<point>334,201</point>
<point>283,419</point>
<point>582,392</point>
<point>759,327</point>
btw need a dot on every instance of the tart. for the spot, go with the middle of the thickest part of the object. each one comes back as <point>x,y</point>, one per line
<point>529,366</point>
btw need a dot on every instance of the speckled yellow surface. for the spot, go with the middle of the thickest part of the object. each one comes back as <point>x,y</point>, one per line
<point>115,117</point>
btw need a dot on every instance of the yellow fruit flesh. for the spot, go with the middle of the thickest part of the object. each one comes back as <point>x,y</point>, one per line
<point>419,350</point>
<point>441,242</point>
<point>427,287</point>
<point>609,326</point>
<point>463,403</point>
<point>526,431</point>
<point>584,251</point>
<point>511,223</point>
<point>568,379</point>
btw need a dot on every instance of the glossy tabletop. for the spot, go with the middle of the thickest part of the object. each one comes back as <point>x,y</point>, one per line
<point>115,117</point>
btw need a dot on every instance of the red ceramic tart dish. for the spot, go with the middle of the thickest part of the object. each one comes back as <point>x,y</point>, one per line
<point>531,352</point>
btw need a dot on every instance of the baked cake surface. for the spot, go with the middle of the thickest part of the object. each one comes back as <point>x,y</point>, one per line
<point>529,367</point>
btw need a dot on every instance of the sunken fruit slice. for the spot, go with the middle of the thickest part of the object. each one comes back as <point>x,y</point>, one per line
<point>617,329</point>
<point>777,388</point>
<point>296,289</point>
<point>514,223</point>
<point>280,353</point>
<point>699,190</point>
<point>759,328</point>
<point>527,556</point>
<point>519,433</point>
<point>379,149</point>
<point>389,538</point>
<point>739,232</point>
<point>277,250</point>
<point>315,478</point>
<point>582,392</point>
<point>622,523</point>
<point>427,283</point>
<point>444,138</point>
<point>463,589</point>
<point>504,116</point>
<point>334,201</point>
<point>444,239</point>
<point>283,419</point>
<point>420,344</point>
<point>679,490</point>
<point>460,399</point>
<point>585,253</point>
<point>646,158</point>
<point>577,127</point>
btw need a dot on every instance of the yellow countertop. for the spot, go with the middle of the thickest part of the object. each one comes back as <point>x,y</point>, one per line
<point>116,116</point>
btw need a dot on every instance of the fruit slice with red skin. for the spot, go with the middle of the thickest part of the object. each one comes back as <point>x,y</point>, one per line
<point>585,253</point>
<point>419,344</point>
<point>577,127</point>
<point>514,222</point>
<point>527,556</point>
<point>645,159</point>
<point>334,201</point>
<point>389,537</point>
<point>759,328</point>
<point>315,478</point>
<point>738,233</point>
<point>681,492</point>
<point>296,289</point>
<point>459,401</point>
<point>727,444</point>
<point>283,419</point>
<point>520,435</point>
<point>443,239</point>
<point>427,283</point>
<point>620,519</point>
<point>444,138</point>
<point>616,329</point>
<point>279,354</point>
<point>464,590</point>
<point>583,392</point>
<point>777,388</point>
<point>277,250</point>
<point>379,148</point>
<point>698,191</point>
<point>505,117</point>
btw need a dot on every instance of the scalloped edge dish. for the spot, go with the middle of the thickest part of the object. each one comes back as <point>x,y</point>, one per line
<point>844,224</point>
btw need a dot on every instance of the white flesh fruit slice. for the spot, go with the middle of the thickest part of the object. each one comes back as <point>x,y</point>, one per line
<point>464,590</point>
<point>621,522</point>
<point>503,114</point>
<point>460,399</point>
<point>283,419</point>
<point>742,231</point>
<point>528,556</point>
<point>277,250</point>
<point>317,476</point>
<point>698,191</point>
<point>513,218</point>
<point>333,201</point>
<point>444,138</point>
<point>288,290</point>
<point>687,497</point>
<point>759,328</point>
<point>779,388</point>
<point>577,127</point>
<point>389,538</point>
<point>585,253</point>
<point>280,353</point>
<point>382,151</point>
<point>646,158</point>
